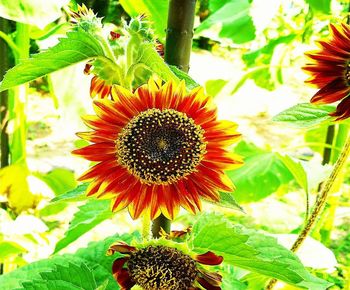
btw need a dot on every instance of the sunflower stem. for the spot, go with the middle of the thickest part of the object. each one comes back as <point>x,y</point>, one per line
<point>178,48</point>
<point>179,33</point>
<point>321,201</point>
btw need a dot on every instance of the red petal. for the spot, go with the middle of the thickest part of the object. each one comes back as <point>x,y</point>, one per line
<point>122,248</point>
<point>343,110</point>
<point>206,284</point>
<point>209,258</point>
<point>332,92</point>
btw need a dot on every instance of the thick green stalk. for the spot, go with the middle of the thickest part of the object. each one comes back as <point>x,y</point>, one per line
<point>18,100</point>
<point>178,48</point>
<point>179,33</point>
<point>321,201</point>
<point>4,66</point>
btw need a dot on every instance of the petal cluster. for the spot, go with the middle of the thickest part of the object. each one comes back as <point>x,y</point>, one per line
<point>330,70</point>
<point>123,182</point>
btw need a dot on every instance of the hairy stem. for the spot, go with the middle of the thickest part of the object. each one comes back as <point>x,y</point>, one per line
<point>178,48</point>
<point>320,202</point>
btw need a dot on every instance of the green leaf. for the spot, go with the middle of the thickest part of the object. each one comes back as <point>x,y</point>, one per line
<point>9,249</point>
<point>320,6</point>
<point>74,195</point>
<point>76,47</point>
<point>214,87</point>
<point>305,115</point>
<point>72,276</point>
<point>251,250</point>
<point>156,11</point>
<point>60,180</point>
<point>149,57</point>
<point>261,175</point>
<point>33,12</point>
<point>190,83</point>
<point>264,70</point>
<point>87,217</point>
<point>234,19</point>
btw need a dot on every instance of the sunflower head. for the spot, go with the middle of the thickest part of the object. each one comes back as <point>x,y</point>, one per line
<point>157,149</point>
<point>330,70</point>
<point>163,267</point>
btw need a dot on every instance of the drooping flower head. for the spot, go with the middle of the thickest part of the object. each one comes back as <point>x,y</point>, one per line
<point>157,149</point>
<point>163,267</point>
<point>330,70</point>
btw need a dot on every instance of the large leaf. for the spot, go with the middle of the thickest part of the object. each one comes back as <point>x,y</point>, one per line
<point>252,251</point>
<point>33,12</point>
<point>320,6</point>
<point>76,47</point>
<point>14,279</point>
<point>305,115</point>
<point>156,11</point>
<point>262,174</point>
<point>234,19</point>
<point>87,217</point>
<point>71,276</point>
<point>149,57</point>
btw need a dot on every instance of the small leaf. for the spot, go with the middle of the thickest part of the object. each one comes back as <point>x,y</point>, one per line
<point>190,83</point>
<point>262,174</point>
<point>87,217</point>
<point>297,170</point>
<point>74,195</point>
<point>251,250</point>
<point>72,276</point>
<point>76,47</point>
<point>10,249</point>
<point>305,115</point>
<point>214,87</point>
<point>227,200</point>
<point>38,12</point>
<point>60,180</point>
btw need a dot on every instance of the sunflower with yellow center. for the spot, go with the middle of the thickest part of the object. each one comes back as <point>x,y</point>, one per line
<point>330,70</point>
<point>158,149</point>
<point>164,267</point>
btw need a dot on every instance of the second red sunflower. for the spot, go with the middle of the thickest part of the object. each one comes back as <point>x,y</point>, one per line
<point>330,70</point>
<point>158,149</point>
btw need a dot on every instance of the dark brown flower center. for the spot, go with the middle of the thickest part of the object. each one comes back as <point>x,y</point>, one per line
<point>347,73</point>
<point>161,146</point>
<point>160,268</point>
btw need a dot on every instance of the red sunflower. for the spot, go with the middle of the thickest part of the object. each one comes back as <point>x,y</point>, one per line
<point>330,70</point>
<point>157,149</point>
<point>163,267</point>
